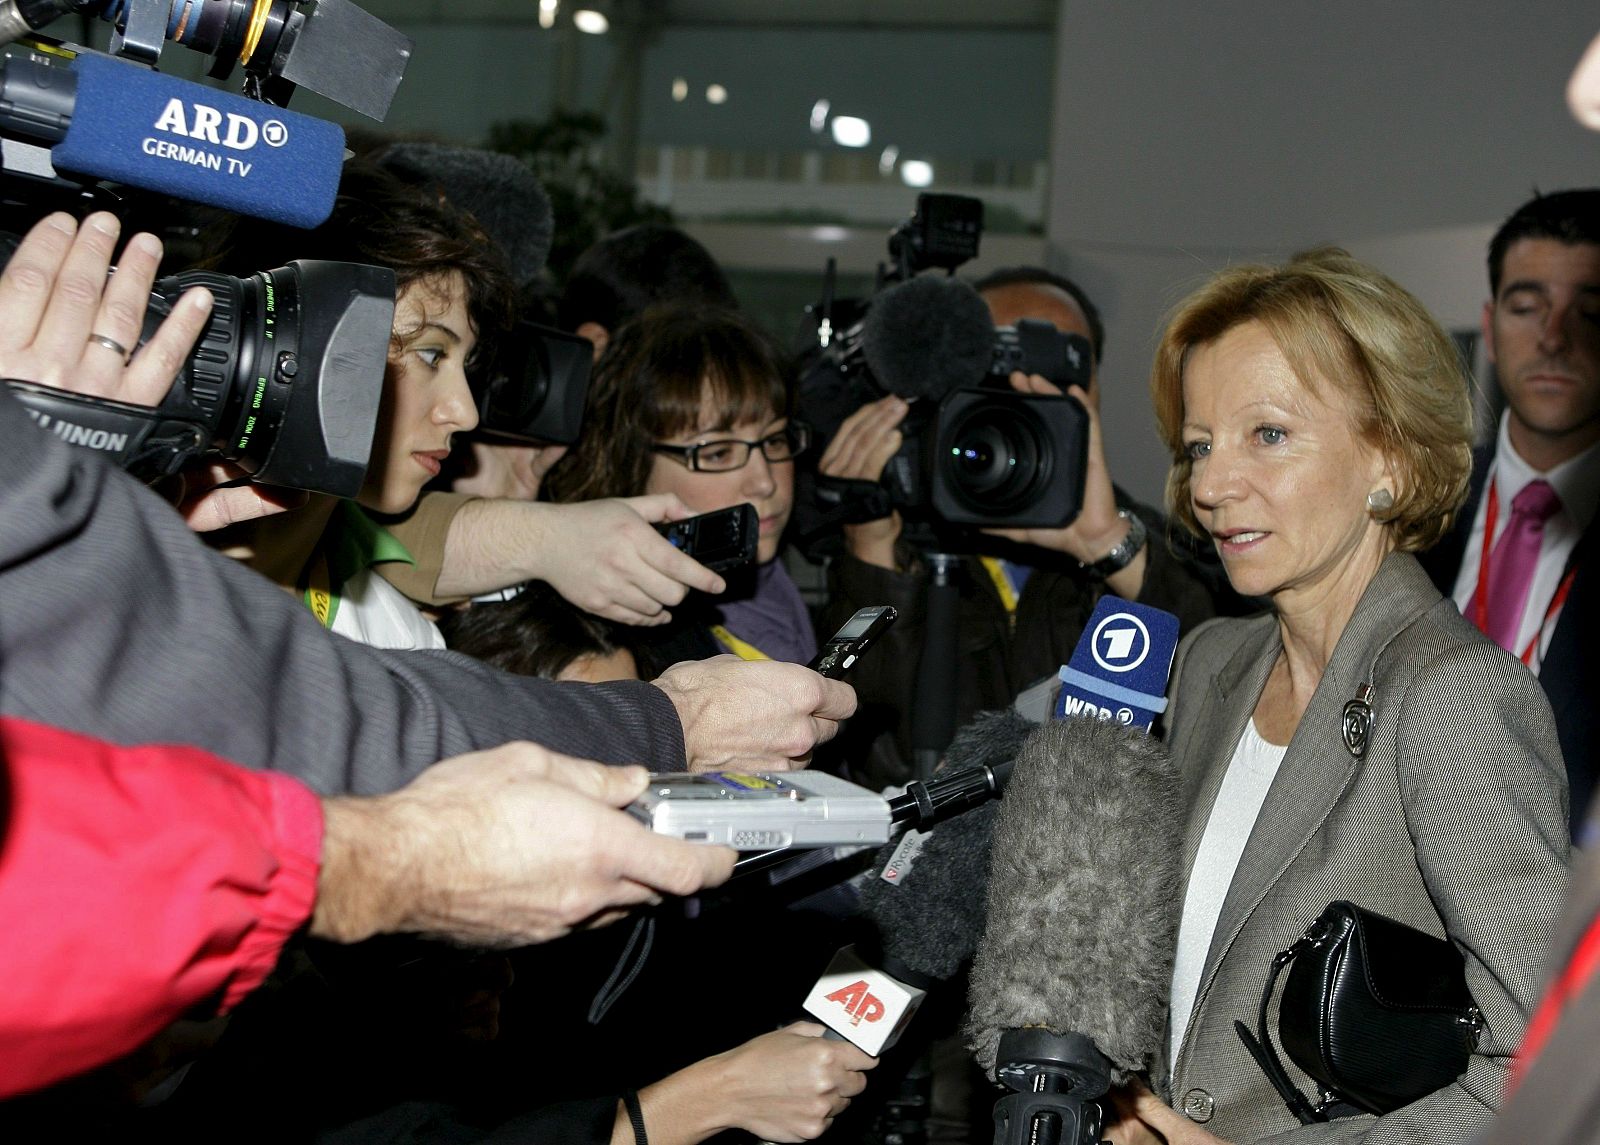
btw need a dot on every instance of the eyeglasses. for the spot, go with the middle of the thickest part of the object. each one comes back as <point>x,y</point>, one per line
<point>727,454</point>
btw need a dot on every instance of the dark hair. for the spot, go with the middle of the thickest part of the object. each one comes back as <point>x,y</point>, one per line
<point>1569,217</point>
<point>379,219</point>
<point>651,383</point>
<point>624,274</point>
<point>1038,276</point>
<point>537,633</point>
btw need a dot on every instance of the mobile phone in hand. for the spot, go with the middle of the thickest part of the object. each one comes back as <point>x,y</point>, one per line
<point>721,540</point>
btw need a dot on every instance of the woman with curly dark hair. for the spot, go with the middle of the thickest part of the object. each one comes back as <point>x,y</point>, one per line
<point>452,294</point>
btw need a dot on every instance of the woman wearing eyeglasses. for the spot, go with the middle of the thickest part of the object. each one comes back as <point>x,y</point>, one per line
<point>696,402</point>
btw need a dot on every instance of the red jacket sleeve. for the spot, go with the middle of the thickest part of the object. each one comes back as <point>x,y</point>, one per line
<point>135,884</point>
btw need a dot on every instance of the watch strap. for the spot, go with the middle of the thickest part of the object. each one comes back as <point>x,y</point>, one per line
<point>1125,550</point>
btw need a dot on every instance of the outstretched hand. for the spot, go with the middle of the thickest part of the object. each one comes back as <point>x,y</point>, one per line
<point>500,848</point>
<point>1138,1117</point>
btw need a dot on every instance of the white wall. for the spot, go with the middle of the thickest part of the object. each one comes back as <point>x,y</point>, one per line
<point>1189,135</point>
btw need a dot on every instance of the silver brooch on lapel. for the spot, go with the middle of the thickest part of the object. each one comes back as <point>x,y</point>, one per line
<point>1357,724</point>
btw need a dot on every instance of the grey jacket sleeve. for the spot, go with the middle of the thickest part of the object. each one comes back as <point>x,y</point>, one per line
<point>116,621</point>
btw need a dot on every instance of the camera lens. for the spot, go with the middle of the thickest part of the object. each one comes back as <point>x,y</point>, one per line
<point>996,457</point>
<point>288,372</point>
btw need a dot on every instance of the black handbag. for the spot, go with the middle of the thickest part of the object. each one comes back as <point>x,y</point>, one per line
<point>1376,1012</point>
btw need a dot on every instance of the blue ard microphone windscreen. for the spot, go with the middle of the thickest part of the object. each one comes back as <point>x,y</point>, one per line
<point>139,127</point>
<point>1119,669</point>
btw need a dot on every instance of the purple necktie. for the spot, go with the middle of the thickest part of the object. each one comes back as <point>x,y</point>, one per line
<point>1515,557</point>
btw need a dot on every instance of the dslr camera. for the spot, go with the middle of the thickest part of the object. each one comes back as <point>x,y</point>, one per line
<point>975,452</point>
<point>287,375</point>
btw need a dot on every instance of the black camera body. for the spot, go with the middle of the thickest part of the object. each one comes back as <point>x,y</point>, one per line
<point>975,453</point>
<point>536,386</point>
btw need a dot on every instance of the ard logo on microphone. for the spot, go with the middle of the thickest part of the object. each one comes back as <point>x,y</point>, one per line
<point>217,128</point>
<point>859,1002</point>
<point>1120,643</point>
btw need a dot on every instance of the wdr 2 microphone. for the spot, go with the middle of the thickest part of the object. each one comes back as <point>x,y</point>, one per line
<point>1071,976</point>
<point>927,899</point>
<point>1119,668</point>
<point>109,119</point>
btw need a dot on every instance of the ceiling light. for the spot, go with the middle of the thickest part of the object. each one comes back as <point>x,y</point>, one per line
<point>916,173</point>
<point>849,131</point>
<point>716,93</point>
<point>590,21</point>
<point>547,13</point>
<point>680,90</point>
<point>886,161</point>
<point>819,116</point>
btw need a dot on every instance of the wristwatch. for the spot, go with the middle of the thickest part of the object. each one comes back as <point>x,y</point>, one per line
<point>1126,549</point>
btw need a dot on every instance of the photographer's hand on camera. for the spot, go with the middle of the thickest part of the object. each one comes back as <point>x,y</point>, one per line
<point>762,714</point>
<point>67,323</point>
<point>1099,527</point>
<point>68,326</point>
<point>865,442</point>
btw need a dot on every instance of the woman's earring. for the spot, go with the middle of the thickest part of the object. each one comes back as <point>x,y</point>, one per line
<point>1380,501</point>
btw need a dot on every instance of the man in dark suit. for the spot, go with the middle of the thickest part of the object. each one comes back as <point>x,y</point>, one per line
<point>1537,482</point>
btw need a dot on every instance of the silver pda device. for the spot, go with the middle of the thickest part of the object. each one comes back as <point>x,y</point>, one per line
<point>764,810</point>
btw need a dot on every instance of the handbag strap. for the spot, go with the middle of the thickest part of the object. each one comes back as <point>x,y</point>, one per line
<point>1265,1054</point>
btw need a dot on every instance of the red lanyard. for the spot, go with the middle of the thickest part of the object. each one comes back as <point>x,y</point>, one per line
<point>1480,594</point>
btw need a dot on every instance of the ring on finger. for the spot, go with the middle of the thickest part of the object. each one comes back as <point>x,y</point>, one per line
<point>111,344</point>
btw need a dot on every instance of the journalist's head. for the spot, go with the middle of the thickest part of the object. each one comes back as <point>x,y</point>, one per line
<point>694,402</point>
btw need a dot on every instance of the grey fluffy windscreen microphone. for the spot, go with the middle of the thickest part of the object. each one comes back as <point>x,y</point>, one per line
<point>927,336</point>
<point>501,192</point>
<point>1083,895</point>
<point>929,916</point>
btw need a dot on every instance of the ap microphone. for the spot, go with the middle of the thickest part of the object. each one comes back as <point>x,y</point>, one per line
<point>1072,972</point>
<point>106,118</point>
<point>927,336</point>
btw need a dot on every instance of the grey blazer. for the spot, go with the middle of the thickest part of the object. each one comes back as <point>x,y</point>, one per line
<point>1454,822</point>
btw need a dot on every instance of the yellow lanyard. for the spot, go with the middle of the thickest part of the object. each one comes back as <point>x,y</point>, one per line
<point>1002,583</point>
<point>319,591</point>
<point>740,648</point>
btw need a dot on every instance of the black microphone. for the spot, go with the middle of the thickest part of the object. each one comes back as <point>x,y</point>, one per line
<point>1071,976</point>
<point>928,908</point>
<point>927,336</point>
<point>925,896</point>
